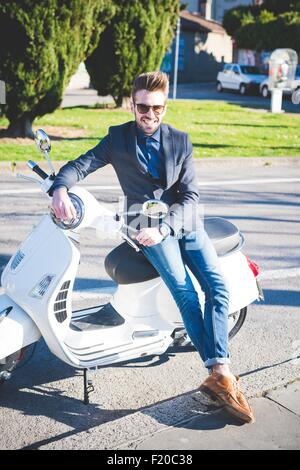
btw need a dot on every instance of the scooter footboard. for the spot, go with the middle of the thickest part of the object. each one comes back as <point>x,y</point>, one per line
<point>17,330</point>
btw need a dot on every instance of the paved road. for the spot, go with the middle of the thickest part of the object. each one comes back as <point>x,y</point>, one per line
<point>197,91</point>
<point>41,407</point>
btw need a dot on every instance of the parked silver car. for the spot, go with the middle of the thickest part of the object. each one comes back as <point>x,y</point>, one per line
<point>242,78</point>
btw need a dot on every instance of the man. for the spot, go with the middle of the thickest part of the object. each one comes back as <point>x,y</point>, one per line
<point>154,160</point>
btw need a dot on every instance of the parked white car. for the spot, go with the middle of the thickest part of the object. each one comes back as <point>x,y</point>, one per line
<point>264,86</point>
<point>242,78</point>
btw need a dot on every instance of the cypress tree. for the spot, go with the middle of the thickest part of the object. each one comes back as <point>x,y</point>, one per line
<point>134,42</point>
<point>41,46</point>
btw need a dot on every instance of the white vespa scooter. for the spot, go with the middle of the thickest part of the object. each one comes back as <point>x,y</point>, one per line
<point>140,319</point>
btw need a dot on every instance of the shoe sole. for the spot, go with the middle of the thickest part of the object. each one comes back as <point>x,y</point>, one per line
<point>232,411</point>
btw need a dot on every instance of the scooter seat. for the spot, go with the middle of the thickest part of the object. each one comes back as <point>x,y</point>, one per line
<point>127,266</point>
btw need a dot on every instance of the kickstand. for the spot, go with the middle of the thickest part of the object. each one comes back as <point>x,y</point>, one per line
<point>87,387</point>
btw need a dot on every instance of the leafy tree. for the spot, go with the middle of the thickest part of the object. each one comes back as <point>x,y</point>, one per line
<point>270,32</point>
<point>134,42</point>
<point>272,25</point>
<point>41,46</point>
<point>279,6</point>
<point>236,17</point>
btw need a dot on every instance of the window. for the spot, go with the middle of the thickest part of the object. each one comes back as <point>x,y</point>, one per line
<point>250,70</point>
<point>227,68</point>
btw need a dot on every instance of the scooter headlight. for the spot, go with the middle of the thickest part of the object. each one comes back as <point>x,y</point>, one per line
<point>71,224</point>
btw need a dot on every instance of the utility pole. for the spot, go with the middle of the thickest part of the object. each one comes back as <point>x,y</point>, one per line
<point>176,59</point>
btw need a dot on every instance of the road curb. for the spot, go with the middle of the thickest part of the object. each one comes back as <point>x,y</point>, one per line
<point>13,167</point>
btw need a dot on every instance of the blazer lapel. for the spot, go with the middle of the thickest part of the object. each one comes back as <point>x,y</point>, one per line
<point>131,146</point>
<point>168,148</point>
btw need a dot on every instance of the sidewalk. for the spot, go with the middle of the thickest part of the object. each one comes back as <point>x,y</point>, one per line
<point>190,422</point>
<point>277,427</point>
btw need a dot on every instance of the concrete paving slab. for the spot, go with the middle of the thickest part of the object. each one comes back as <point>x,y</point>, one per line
<point>288,397</point>
<point>276,428</point>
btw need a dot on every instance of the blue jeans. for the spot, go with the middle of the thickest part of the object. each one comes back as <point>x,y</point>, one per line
<point>207,330</point>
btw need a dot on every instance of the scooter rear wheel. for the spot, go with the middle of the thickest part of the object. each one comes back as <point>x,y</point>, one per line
<point>235,323</point>
<point>238,318</point>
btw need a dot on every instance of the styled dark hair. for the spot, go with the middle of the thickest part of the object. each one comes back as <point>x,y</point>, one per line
<point>151,81</point>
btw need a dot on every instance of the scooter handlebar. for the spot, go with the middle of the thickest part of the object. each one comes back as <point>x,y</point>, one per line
<point>36,168</point>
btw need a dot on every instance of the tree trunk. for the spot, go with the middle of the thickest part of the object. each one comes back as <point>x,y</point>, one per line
<point>118,100</point>
<point>126,103</point>
<point>21,127</point>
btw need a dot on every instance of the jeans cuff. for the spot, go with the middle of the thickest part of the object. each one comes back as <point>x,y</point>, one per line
<point>217,360</point>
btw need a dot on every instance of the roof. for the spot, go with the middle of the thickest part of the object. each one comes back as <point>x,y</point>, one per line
<point>196,22</point>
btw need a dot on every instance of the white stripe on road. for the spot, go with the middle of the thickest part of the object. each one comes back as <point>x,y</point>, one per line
<point>37,190</point>
<point>201,183</point>
<point>273,274</point>
<point>254,181</point>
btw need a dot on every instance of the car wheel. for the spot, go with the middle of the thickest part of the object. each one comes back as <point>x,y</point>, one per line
<point>219,87</point>
<point>243,89</point>
<point>265,92</point>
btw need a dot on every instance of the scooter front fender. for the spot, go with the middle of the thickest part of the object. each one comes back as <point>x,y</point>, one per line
<point>17,329</point>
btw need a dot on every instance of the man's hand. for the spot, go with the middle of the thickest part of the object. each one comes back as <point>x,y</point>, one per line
<point>149,236</point>
<point>62,205</point>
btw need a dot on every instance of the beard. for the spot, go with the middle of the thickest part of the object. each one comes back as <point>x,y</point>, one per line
<point>148,126</point>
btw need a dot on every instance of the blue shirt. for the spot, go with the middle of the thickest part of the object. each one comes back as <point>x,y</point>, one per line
<point>150,154</point>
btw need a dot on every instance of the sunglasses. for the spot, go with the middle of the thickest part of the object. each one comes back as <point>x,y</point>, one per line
<point>144,108</point>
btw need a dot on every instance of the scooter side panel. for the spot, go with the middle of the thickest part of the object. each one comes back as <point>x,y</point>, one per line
<point>241,282</point>
<point>17,329</point>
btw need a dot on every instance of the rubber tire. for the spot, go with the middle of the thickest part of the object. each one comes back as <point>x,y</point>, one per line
<point>265,92</point>
<point>238,325</point>
<point>219,87</point>
<point>243,89</point>
<point>242,317</point>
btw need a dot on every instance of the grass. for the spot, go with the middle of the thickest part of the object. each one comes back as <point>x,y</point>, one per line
<point>216,129</point>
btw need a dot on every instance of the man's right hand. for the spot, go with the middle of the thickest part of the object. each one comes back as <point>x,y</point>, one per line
<point>62,205</point>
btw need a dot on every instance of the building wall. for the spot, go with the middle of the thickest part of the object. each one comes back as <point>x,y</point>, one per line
<point>203,56</point>
<point>218,7</point>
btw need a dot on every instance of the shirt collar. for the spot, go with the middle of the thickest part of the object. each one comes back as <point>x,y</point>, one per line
<point>140,134</point>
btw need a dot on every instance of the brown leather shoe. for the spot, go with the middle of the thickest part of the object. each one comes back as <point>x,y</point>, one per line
<point>227,391</point>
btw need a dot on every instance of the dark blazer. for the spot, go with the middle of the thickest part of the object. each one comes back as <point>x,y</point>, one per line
<point>178,188</point>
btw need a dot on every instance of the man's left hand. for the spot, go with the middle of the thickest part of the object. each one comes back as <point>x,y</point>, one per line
<point>149,236</point>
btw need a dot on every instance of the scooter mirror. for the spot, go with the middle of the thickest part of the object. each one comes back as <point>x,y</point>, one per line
<point>42,141</point>
<point>155,209</point>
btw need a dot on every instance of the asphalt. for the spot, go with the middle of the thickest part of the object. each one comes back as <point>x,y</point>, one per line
<point>177,417</point>
<point>189,422</point>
